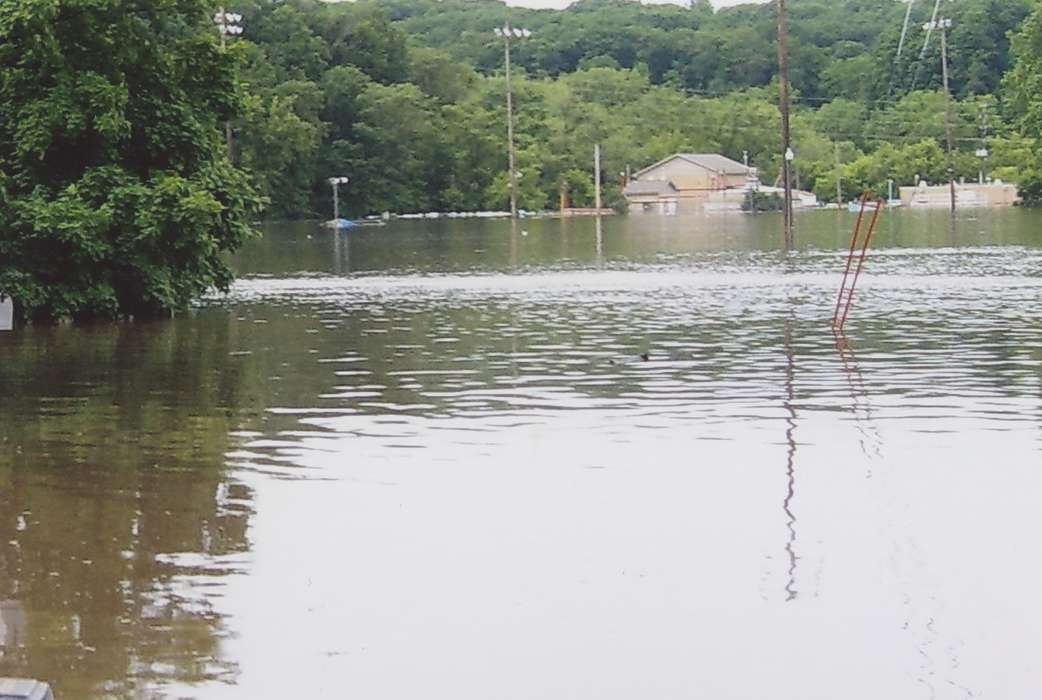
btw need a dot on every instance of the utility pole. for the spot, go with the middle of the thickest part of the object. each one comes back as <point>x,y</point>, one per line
<point>785,107</point>
<point>944,24</point>
<point>839,179</point>
<point>597,177</point>
<point>508,33</point>
<point>982,152</point>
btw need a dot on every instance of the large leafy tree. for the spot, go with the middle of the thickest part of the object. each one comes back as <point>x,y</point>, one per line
<point>116,193</point>
<point>1024,82</point>
<point>1024,88</point>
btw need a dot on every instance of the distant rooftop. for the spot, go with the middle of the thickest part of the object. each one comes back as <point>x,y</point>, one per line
<point>717,162</point>
<point>710,161</point>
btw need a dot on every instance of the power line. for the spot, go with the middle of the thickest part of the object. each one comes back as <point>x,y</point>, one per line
<point>904,31</point>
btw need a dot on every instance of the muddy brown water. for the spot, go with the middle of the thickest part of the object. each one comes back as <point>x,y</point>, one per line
<point>428,460</point>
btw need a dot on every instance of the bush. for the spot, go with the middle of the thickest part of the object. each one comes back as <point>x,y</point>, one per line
<point>1031,191</point>
<point>756,202</point>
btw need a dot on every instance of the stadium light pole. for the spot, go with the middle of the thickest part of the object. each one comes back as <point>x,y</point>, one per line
<point>228,24</point>
<point>509,34</point>
<point>335,182</point>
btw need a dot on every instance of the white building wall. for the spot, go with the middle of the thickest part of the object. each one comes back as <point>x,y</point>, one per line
<point>6,314</point>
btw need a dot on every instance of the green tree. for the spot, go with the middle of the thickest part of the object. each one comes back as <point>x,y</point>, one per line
<point>1024,82</point>
<point>437,74</point>
<point>281,147</point>
<point>903,164</point>
<point>400,140</point>
<point>294,49</point>
<point>362,36</point>
<point>116,194</point>
<point>578,187</point>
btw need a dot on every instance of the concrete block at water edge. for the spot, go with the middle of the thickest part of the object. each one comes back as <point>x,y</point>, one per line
<point>24,689</point>
<point>6,314</point>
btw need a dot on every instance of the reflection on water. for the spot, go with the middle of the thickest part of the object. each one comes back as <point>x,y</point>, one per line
<point>439,447</point>
<point>790,465</point>
<point>860,403</point>
<point>12,625</point>
<point>116,515</point>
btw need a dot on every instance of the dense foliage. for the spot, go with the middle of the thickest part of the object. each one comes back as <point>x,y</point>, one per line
<point>115,194</point>
<point>407,97</point>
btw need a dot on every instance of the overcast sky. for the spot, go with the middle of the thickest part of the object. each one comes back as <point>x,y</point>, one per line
<point>564,3</point>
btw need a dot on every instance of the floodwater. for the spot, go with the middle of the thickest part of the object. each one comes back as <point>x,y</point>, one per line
<point>428,460</point>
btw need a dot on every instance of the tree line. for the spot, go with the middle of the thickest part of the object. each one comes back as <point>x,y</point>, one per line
<point>407,97</point>
<point>118,193</point>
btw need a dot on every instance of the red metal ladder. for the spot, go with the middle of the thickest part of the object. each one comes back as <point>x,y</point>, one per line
<point>846,293</point>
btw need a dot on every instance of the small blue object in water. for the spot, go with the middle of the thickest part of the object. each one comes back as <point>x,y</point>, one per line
<point>341,224</point>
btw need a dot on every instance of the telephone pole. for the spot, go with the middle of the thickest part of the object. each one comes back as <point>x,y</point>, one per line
<point>982,151</point>
<point>784,104</point>
<point>944,24</point>
<point>839,179</point>
<point>597,177</point>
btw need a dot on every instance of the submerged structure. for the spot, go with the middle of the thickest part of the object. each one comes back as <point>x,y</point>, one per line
<point>969,195</point>
<point>687,183</point>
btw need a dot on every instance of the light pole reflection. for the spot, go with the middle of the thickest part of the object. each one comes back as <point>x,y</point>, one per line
<point>600,241</point>
<point>513,245</point>
<point>860,407</point>
<point>341,253</point>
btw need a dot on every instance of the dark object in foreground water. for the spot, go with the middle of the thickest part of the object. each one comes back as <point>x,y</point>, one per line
<point>24,689</point>
<point>645,356</point>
